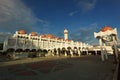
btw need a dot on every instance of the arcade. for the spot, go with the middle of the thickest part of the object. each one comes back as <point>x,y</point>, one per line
<point>23,44</point>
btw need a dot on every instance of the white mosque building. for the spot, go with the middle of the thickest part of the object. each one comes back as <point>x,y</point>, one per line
<point>52,44</point>
<point>22,40</point>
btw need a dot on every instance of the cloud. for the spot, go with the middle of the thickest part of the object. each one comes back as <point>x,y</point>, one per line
<point>83,6</point>
<point>15,15</point>
<point>85,34</point>
<point>86,5</point>
<point>73,13</point>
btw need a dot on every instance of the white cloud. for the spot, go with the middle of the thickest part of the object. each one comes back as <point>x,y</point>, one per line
<point>86,5</point>
<point>73,13</point>
<point>83,6</point>
<point>15,15</point>
<point>85,34</point>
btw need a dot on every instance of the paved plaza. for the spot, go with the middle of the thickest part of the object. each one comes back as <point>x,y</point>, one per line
<point>58,68</point>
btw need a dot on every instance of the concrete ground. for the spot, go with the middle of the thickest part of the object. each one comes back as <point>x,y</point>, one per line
<point>58,68</point>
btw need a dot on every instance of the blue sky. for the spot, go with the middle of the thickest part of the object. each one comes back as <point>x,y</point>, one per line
<point>80,17</point>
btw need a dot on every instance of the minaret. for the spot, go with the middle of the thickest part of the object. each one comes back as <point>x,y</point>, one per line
<point>65,34</point>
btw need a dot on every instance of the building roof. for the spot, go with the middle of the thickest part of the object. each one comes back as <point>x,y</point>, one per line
<point>43,35</point>
<point>22,31</point>
<point>50,36</point>
<point>106,28</point>
<point>33,33</point>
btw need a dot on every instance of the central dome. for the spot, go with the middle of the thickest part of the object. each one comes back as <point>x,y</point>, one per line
<point>106,28</point>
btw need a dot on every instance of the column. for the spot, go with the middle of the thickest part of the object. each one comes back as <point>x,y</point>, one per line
<point>38,43</point>
<point>79,52</point>
<point>16,43</point>
<point>81,46</point>
<point>115,48</point>
<point>101,47</point>
<point>71,52</point>
<point>105,52</point>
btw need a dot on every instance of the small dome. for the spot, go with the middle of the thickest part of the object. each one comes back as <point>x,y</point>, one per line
<point>21,32</point>
<point>62,39</point>
<point>106,28</point>
<point>50,36</point>
<point>58,38</point>
<point>67,40</point>
<point>43,35</point>
<point>33,34</point>
<point>70,40</point>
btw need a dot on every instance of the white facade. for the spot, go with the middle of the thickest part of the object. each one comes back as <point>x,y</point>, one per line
<point>48,41</point>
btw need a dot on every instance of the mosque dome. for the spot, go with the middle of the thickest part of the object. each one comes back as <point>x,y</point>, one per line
<point>33,34</point>
<point>43,35</point>
<point>21,32</point>
<point>50,36</point>
<point>106,28</point>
